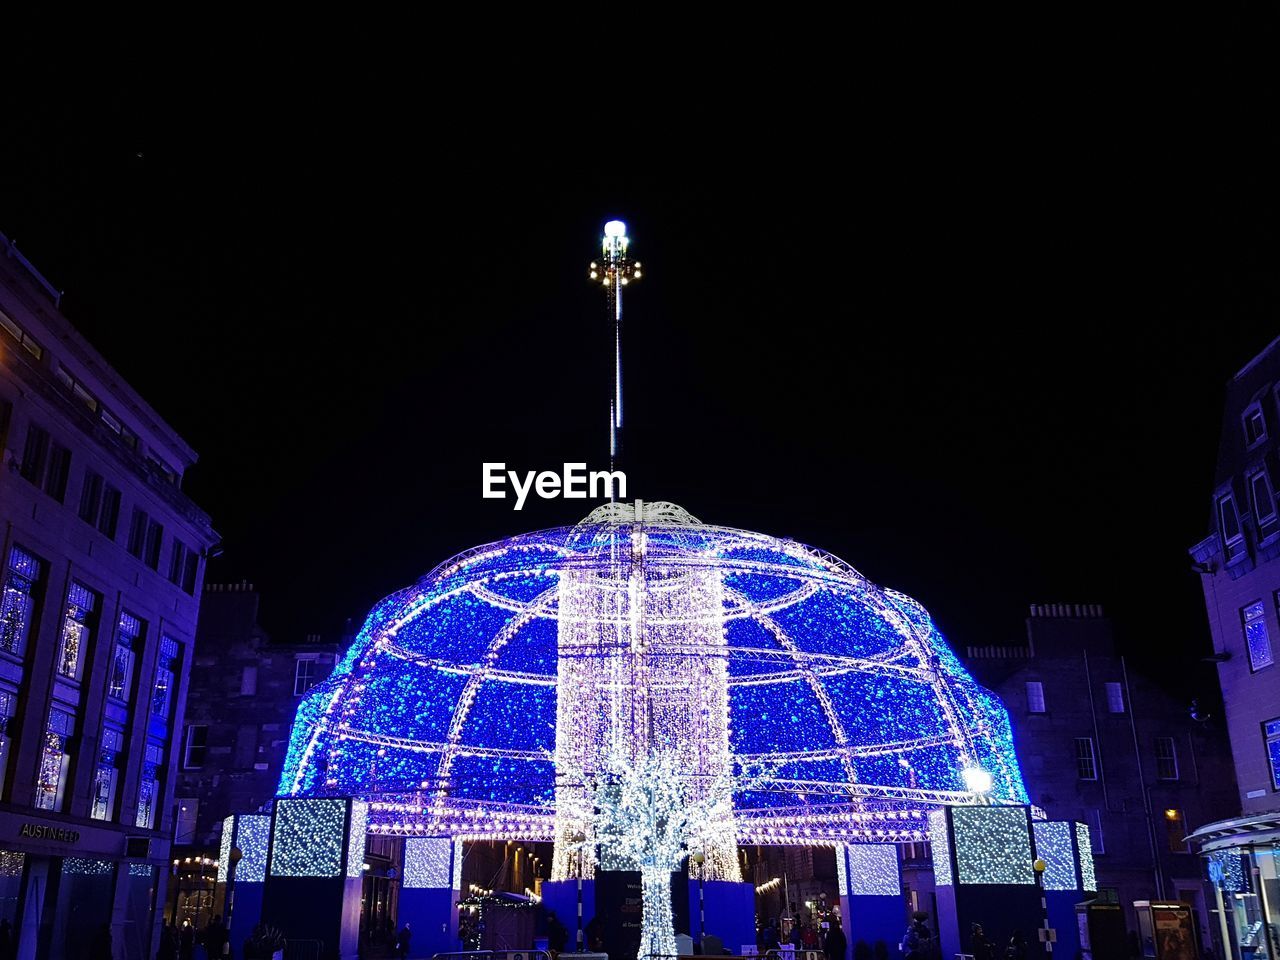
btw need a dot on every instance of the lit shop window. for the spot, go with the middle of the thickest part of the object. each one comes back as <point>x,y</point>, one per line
<point>149,787</point>
<point>1271,733</point>
<point>162,689</point>
<point>129,633</point>
<point>107,774</point>
<point>76,629</point>
<point>55,760</point>
<point>1256,640</point>
<point>8,703</point>
<point>17,606</point>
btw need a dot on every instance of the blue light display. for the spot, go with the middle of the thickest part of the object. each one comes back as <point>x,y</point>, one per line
<point>443,711</point>
<point>1054,847</point>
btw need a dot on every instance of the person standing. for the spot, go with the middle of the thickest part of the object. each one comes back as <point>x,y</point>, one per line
<point>837,944</point>
<point>557,935</point>
<point>402,943</point>
<point>215,937</point>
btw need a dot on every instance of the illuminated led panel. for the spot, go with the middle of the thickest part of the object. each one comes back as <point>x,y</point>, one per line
<point>941,848</point>
<point>993,845</point>
<point>873,870</point>
<point>80,866</point>
<point>356,838</point>
<point>224,849</point>
<point>254,840</point>
<point>1088,881</point>
<point>457,865</point>
<point>1054,847</point>
<point>428,863</point>
<point>308,838</point>
<point>842,870</point>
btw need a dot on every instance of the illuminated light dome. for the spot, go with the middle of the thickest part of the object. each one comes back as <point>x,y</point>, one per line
<point>836,702</point>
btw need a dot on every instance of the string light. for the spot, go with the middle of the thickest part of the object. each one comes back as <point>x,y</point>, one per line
<point>464,694</point>
<point>940,844</point>
<point>427,863</point>
<point>253,837</point>
<point>873,870</point>
<point>993,845</point>
<point>1088,880</point>
<point>308,837</point>
<point>1054,847</point>
<point>356,838</point>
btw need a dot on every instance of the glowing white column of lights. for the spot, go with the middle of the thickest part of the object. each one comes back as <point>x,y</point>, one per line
<point>629,685</point>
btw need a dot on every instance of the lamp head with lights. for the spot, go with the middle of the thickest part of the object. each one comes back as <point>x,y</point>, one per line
<point>976,780</point>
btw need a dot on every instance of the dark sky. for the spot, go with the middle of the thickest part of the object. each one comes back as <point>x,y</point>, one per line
<point>966,329</point>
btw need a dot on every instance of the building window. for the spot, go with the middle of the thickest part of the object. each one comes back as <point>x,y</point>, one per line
<point>129,633</point>
<point>1256,640</point>
<point>1255,425</point>
<point>149,787</point>
<point>195,746</point>
<point>55,760</point>
<point>6,416</point>
<point>1229,527</point>
<point>78,389</point>
<point>1035,696</point>
<point>107,774</point>
<point>8,704</point>
<point>23,580</point>
<point>182,566</point>
<point>1166,759</point>
<point>1271,733</point>
<point>248,681</point>
<point>20,335</point>
<point>100,504</point>
<point>1097,839</point>
<point>77,629</point>
<point>145,536</point>
<point>1115,698</point>
<point>306,676</point>
<point>1086,763</point>
<point>162,690</point>
<point>1264,503</point>
<point>45,463</point>
<point>1176,825</point>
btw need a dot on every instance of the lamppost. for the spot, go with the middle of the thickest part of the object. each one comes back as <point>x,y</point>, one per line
<point>1039,867</point>
<point>700,859</point>
<point>578,839</point>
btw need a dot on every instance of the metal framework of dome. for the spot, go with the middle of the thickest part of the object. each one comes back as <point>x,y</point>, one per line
<point>835,703</point>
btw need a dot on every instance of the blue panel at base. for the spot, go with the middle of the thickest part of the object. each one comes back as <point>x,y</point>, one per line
<point>875,918</point>
<point>1001,908</point>
<point>430,915</point>
<point>730,912</point>
<point>244,914</point>
<point>1062,918</point>
<point>562,897</point>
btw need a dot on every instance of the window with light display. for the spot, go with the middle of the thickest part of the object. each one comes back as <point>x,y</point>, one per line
<point>309,838</point>
<point>993,845</point>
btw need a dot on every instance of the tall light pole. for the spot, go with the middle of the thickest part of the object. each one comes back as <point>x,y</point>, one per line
<point>614,271</point>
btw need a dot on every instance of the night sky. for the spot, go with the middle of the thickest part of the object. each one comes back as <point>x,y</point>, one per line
<point>969,334</point>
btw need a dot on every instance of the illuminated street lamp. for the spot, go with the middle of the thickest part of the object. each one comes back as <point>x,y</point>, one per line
<point>614,271</point>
